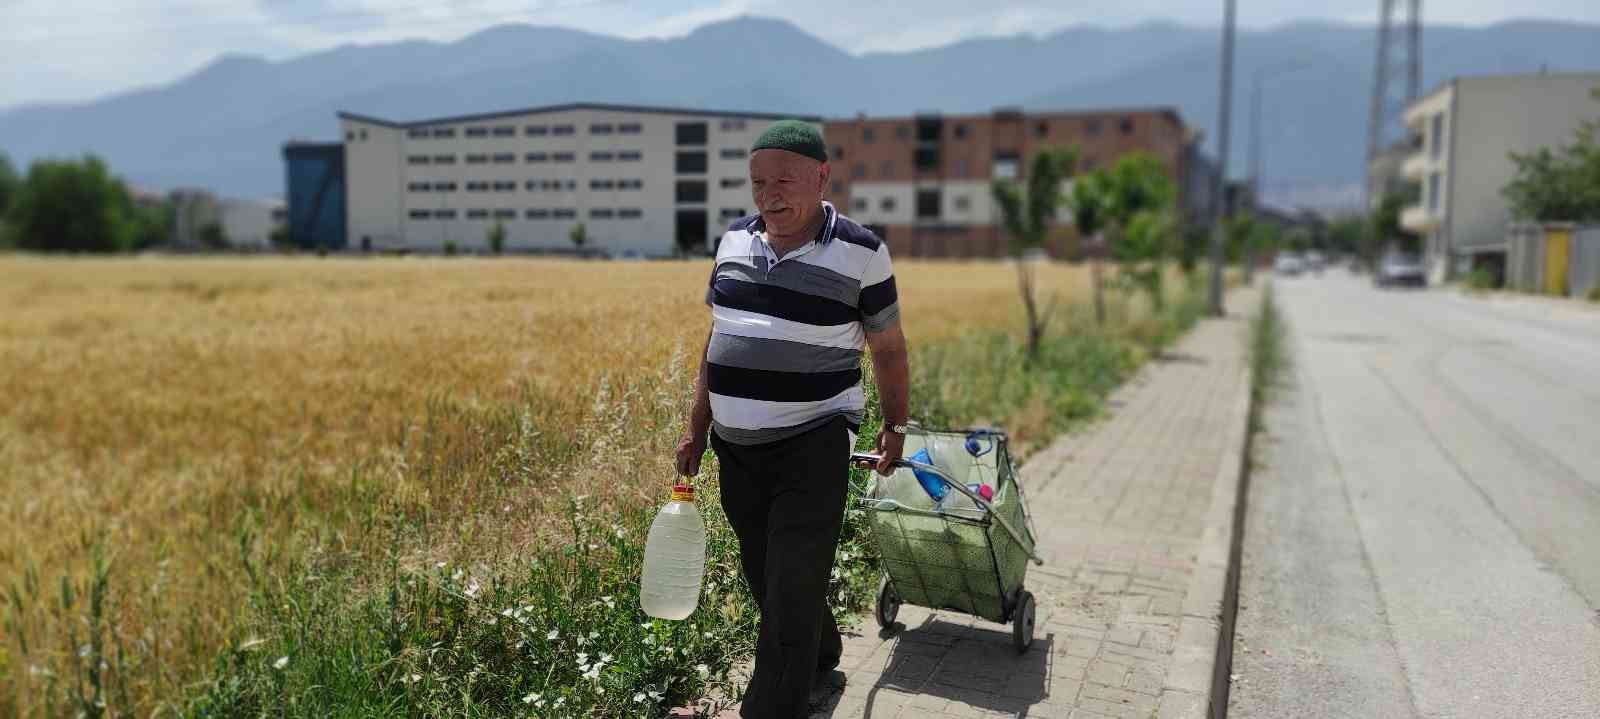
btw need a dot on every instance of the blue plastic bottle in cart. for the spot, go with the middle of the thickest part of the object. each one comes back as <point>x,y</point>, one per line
<point>930,482</point>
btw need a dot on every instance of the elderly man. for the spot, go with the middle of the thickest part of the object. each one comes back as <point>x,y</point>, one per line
<point>797,292</point>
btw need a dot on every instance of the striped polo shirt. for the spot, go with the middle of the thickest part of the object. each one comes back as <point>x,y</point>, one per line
<point>788,332</point>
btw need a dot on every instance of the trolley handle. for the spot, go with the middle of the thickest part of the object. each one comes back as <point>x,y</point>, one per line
<point>868,460</point>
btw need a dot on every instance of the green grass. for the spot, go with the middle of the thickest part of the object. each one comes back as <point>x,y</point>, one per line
<point>357,637</point>
<point>1269,357</point>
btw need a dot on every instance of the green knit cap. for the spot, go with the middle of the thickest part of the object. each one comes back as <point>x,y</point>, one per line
<point>795,136</point>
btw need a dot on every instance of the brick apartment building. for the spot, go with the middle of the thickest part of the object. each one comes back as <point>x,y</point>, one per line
<point>923,183</point>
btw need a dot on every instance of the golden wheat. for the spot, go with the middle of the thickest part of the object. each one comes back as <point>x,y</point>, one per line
<point>157,406</point>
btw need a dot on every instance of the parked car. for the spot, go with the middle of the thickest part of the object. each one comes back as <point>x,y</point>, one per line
<point>1400,271</point>
<point>1289,264</point>
<point>1316,262</point>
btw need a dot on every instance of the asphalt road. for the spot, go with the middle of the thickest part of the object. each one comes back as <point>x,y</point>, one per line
<point>1423,528</point>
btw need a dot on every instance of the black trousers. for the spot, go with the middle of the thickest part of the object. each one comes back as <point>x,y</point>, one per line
<point>786,501</point>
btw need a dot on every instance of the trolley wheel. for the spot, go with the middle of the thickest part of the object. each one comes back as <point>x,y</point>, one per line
<point>888,604</point>
<point>1022,623</point>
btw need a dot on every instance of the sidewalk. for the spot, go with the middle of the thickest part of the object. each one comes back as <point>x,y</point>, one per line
<point>1133,517</point>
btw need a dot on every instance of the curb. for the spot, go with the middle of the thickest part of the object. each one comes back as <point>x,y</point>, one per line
<point>1197,680</point>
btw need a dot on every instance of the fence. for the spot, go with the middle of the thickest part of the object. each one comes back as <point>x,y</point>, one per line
<point>1556,259</point>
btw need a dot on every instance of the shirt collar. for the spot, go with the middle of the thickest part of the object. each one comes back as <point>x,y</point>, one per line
<point>824,234</point>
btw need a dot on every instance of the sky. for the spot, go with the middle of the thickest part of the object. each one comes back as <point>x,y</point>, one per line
<point>73,50</point>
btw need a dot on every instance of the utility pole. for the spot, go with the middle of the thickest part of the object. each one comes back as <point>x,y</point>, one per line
<point>1219,229</point>
<point>1257,78</point>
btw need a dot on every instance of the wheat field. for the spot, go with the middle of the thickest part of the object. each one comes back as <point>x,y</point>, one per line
<point>166,411</point>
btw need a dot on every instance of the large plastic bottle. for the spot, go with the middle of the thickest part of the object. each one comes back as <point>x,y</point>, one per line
<point>674,558</point>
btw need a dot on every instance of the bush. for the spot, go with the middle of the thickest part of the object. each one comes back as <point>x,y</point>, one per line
<point>1594,293</point>
<point>450,247</point>
<point>1479,280</point>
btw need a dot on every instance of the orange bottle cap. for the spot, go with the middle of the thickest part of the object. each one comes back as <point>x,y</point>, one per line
<point>682,493</point>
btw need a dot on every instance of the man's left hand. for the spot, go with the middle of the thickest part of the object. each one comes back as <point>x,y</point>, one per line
<point>890,445</point>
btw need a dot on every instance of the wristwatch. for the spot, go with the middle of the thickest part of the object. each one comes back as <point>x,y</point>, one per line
<point>899,428</point>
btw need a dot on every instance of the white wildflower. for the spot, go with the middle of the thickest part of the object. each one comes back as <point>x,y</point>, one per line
<point>416,678</point>
<point>610,603</point>
<point>281,663</point>
<point>583,658</point>
<point>553,635</point>
<point>638,698</point>
<point>605,658</point>
<point>704,670</point>
<point>655,695</point>
<point>506,612</point>
<point>472,589</point>
<point>439,565</point>
<point>650,641</point>
<point>531,698</point>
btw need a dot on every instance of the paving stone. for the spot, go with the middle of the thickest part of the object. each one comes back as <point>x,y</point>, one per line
<point>1106,672</point>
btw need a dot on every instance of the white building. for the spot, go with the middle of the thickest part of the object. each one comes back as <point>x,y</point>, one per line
<point>248,224</point>
<point>1468,128</point>
<point>642,180</point>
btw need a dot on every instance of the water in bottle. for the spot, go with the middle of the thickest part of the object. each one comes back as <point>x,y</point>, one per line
<point>674,558</point>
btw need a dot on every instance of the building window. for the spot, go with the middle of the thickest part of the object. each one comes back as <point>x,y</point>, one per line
<point>629,156</point>
<point>417,160</point>
<point>477,132</point>
<point>732,125</point>
<point>417,187</point>
<point>691,191</point>
<point>629,213</point>
<point>417,133</point>
<point>601,129</point>
<point>444,132</point>
<point>477,214</point>
<point>691,163</point>
<point>505,214</point>
<point>444,159</point>
<point>536,157</point>
<point>691,133</point>
<point>1436,136</point>
<point>1091,126</point>
<point>634,184</point>
<point>536,131</point>
<point>1041,129</point>
<point>563,157</point>
<point>477,187</point>
<point>1089,163</point>
<point>562,130</point>
<point>886,204</point>
<point>838,187</point>
<point>730,213</point>
<point>629,128</point>
<point>886,170</point>
<point>537,213</point>
<point>1433,192</point>
<point>731,183</point>
<point>563,213</point>
<point>444,214</point>
<point>601,213</point>
<point>927,204</point>
<point>531,185</point>
<point>1125,125</point>
<point>903,132</point>
<point>477,159</point>
<point>505,186</point>
<point>838,152</point>
<point>505,131</point>
<point>571,185</point>
<point>859,204</point>
<point>363,134</point>
<point>419,214</point>
<point>868,135</point>
<point>602,184</point>
<point>858,170</point>
<point>926,159</point>
<point>502,158</point>
<point>961,131</point>
<point>600,156</point>
<point>963,203</point>
<point>732,153</point>
<point>444,187</point>
<point>1005,166</point>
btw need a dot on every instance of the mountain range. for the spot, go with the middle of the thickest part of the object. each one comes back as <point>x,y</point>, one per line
<point>223,126</point>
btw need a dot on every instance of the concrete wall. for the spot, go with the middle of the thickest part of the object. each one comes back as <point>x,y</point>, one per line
<point>248,224</point>
<point>1495,116</point>
<point>374,184</point>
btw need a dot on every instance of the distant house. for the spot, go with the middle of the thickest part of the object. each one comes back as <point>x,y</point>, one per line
<point>1468,128</point>
<point>249,224</point>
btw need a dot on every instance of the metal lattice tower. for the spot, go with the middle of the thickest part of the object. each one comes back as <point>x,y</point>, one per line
<point>1398,55</point>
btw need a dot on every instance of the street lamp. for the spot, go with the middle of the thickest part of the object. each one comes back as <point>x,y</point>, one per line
<point>1258,77</point>
<point>1219,230</point>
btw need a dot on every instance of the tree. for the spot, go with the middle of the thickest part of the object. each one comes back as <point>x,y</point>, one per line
<point>1558,186</point>
<point>213,237</point>
<point>1112,202</point>
<point>1385,223</point>
<point>1344,235</point>
<point>1027,220</point>
<point>70,206</point>
<point>579,236</point>
<point>8,183</point>
<point>497,237</point>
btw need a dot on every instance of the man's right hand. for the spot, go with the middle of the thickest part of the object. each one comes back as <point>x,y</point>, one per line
<point>690,449</point>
